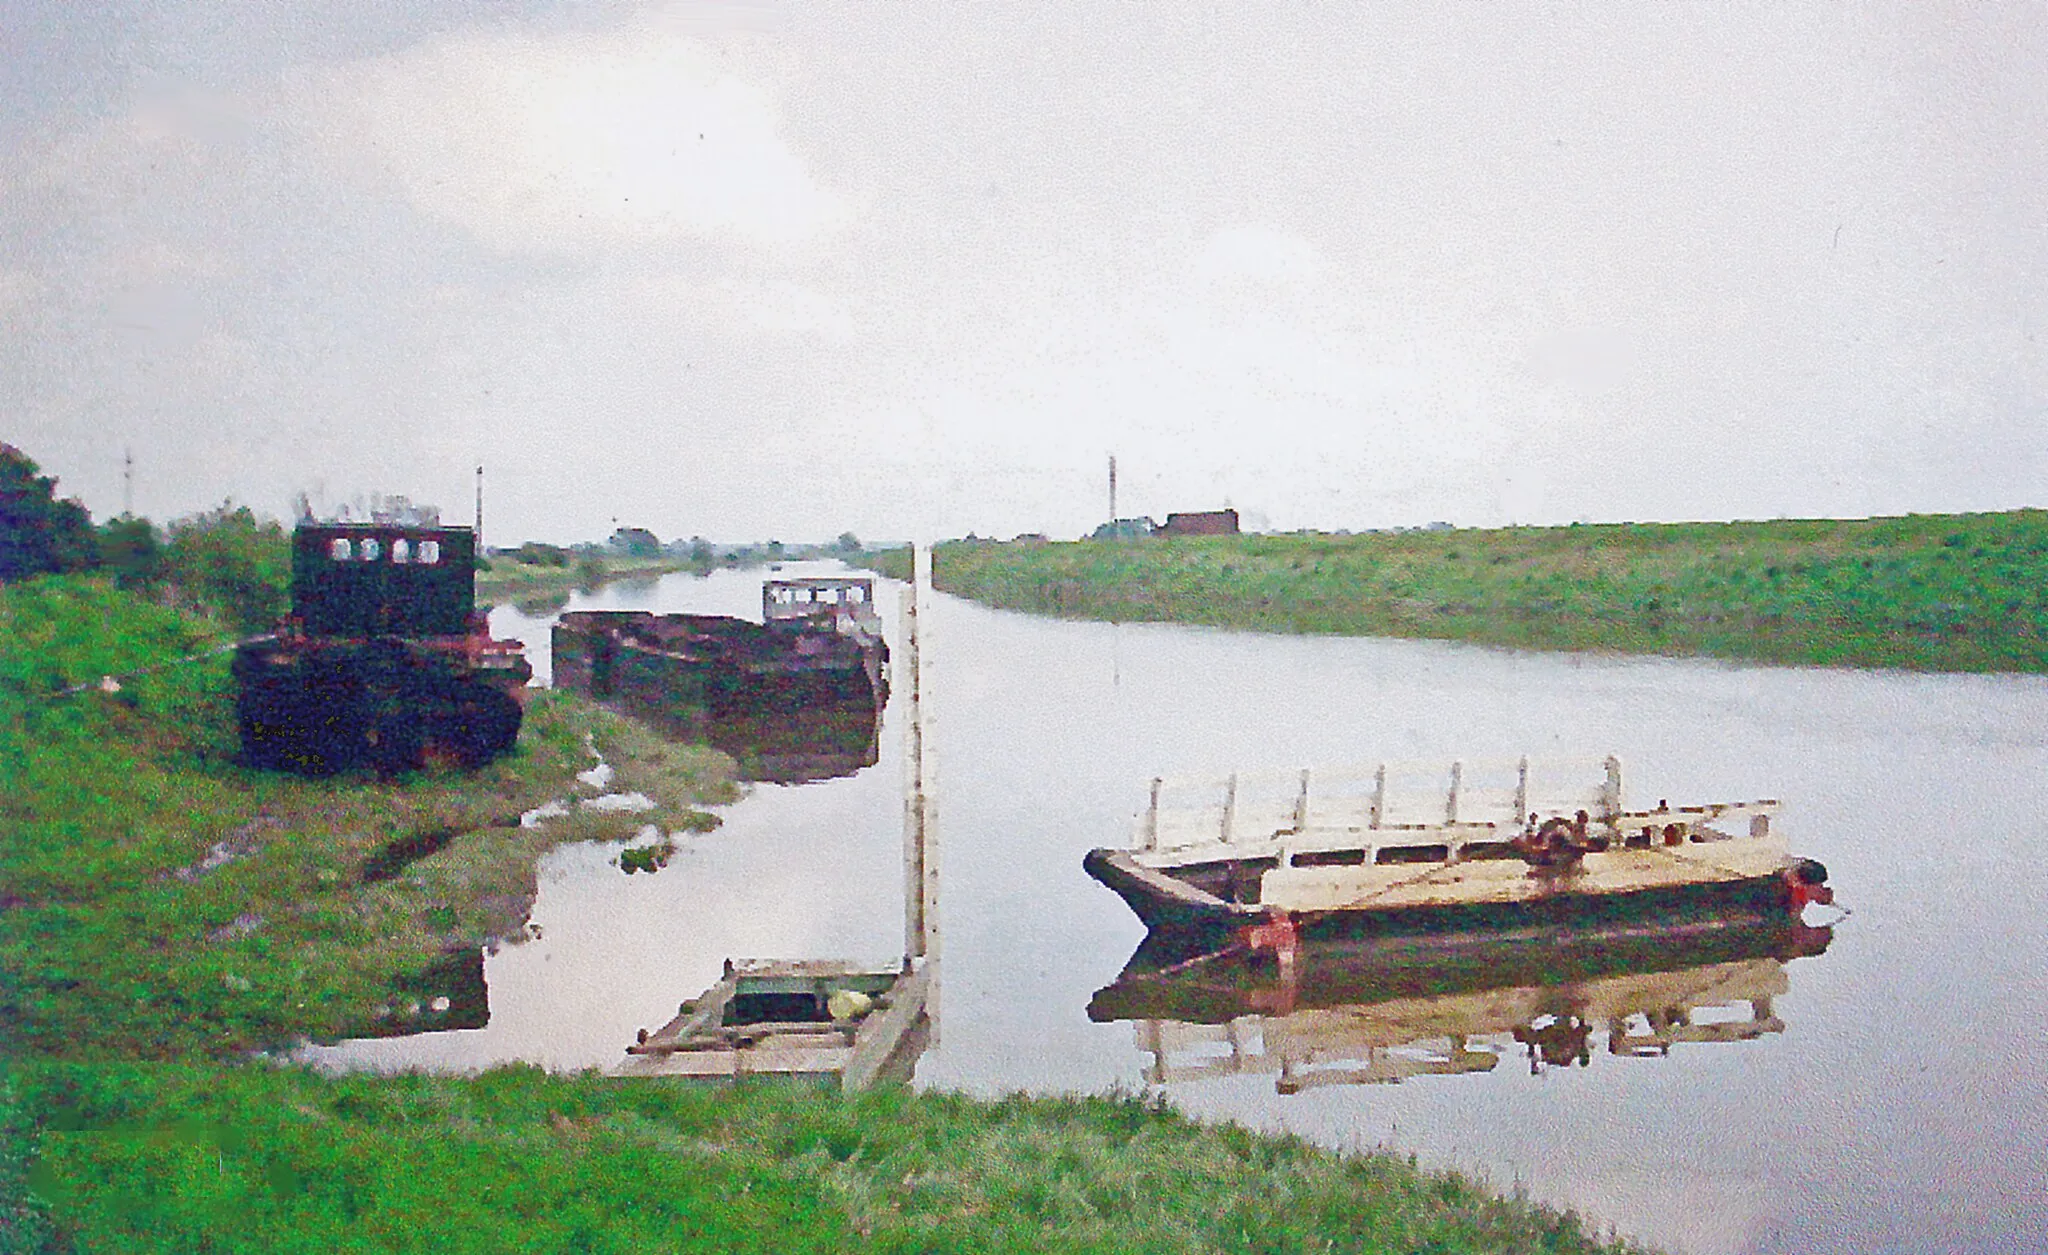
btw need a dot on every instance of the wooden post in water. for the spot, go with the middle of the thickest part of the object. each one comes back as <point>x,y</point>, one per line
<point>1451,798</point>
<point>1610,792</point>
<point>920,847</point>
<point>1229,805</point>
<point>1522,793</point>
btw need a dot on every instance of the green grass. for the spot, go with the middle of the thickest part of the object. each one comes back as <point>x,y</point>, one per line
<point>1926,592</point>
<point>165,1157</point>
<point>509,579</point>
<point>107,950</point>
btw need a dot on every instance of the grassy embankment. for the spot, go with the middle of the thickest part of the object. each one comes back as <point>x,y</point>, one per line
<point>547,588</point>
<point>1927,592</point>
<point>137,974</point>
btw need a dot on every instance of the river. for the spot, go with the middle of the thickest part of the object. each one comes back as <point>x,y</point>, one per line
<point>1897,1102</point>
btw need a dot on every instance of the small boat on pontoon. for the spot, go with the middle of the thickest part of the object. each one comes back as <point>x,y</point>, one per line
<point>1263,859</point>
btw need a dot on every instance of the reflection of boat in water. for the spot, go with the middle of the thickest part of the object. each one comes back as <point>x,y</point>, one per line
<point>797,696</point>
<point>1366,852</point>
<point>1384,1009</point>
<point>792,746</point>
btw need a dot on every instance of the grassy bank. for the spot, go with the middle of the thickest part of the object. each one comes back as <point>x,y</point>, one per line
<point>164,913</point>
<point>177,1158</point>
<point>1929,592</point>
<point>509,580</point>
<point>160,901</point>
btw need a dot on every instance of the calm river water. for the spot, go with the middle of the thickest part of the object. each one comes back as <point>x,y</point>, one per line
<point>1903,1106</point>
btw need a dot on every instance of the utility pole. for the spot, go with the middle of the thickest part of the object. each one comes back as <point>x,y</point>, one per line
<point>1112,489</point>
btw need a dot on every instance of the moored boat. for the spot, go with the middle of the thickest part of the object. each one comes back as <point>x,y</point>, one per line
<point>1264,858</point>
<point>817,654</point>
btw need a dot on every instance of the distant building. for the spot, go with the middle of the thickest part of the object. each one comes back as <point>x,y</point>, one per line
<point>1201,523</point>
<point>1124,529</point>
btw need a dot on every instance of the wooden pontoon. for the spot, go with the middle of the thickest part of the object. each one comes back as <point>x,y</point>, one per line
<point>1400,849</point>
<point>824,1020</point>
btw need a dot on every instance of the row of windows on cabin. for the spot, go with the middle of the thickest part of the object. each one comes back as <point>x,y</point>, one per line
<point>831,596</point>
<point>370,549</point>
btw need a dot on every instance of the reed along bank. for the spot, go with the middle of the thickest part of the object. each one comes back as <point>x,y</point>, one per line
<point>171,923</point>
<point>1961,592</point>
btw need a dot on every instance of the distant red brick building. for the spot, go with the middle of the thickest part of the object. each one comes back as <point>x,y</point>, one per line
<point>1201,523</point>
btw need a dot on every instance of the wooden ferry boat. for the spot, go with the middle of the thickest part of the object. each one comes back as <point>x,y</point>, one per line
<point>1382,1010</point>
<point>1263,859</point>
<point>816,667</point>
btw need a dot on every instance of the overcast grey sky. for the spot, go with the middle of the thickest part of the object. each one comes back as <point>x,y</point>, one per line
<point>754,270</point>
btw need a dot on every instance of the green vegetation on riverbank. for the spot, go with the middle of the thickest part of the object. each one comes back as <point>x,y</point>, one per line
<point>511,580</point>
<point>1927,592</point>
<point>165,912</point>
<point>160,1157</point>
<point>161,901</point>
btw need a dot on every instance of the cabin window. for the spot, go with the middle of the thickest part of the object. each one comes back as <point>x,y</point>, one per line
<point>339,550</point>
<point>430,552</point>
<point>401,551</point>
<point>1412,854</point>
<point>371,549</point>
<point>856,593</point>
<point>1328,858</point>
<point>1474,850</point>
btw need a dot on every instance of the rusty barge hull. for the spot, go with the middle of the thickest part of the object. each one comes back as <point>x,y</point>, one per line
<point>384,660</point>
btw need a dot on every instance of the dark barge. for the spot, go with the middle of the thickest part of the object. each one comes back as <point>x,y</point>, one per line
<point>797,696</point>
<point>384,661</point>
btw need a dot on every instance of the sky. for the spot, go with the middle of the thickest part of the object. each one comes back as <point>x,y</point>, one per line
<point>752,270</point>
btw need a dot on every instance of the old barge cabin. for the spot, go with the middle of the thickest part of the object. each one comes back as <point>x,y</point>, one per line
<point>1395,848</point>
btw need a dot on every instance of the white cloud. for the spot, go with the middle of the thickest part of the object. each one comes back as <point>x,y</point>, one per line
<point>547,143</point>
